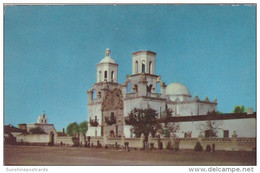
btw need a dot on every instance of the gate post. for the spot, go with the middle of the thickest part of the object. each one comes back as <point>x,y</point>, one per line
<point>142,141</point>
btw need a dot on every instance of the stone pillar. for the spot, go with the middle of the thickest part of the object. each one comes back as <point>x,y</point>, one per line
<point>123,140</point>
<point>150,140</point>
<point>200,137</point>
<point>142,138</point>
<point>158,140</point>
<point>105,139</point>
<point>123,89</point>
<point>234,141</point>
<point>142,86</point>
<point>172,141</point>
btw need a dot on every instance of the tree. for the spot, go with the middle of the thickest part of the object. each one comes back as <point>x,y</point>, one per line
<point>169,127</point>
<point>213,127</point>
<point>143,121</point>
<point>214,112</point>
<point>83,128</point>
<point>210,127</point>
<point>37,130</point>
<point>72,129</point>
<point>239,109</point>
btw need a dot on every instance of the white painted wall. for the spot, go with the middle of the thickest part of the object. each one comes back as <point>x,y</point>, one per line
<point>243,127</point>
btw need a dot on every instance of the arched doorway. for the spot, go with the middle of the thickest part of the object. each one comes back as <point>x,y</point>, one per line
<point>112,134</point>
<point>51,138</point>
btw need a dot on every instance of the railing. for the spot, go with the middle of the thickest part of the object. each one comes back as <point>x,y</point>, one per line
<point>154,95</point>
<point>93,123</point>
<point>131,95</point>
<point>110,121</point>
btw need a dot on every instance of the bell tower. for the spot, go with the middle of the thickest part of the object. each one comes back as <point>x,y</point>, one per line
<point>143,62</point>
<point>107,69</point>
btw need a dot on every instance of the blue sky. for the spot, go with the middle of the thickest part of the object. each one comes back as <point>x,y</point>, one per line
<point>51,52</point>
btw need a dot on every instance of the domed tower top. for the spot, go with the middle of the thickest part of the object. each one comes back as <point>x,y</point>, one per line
<point>107,69</point>
<point>107,58</point>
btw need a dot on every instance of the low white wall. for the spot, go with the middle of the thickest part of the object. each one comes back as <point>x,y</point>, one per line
<point>39,138</point>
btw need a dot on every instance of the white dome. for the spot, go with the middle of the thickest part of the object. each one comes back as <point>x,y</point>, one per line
<point>108,60</point>
<point>177,89</point>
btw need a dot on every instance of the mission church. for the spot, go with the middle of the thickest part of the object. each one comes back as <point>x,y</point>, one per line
<point>109,102</point>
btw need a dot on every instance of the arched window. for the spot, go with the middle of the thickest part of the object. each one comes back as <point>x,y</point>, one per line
<point>105,75</point>
<point>94,95</point>
<point>112,76</point>
<point>158,87</point>
<point>149,88</point>
<point>143,66</point>
<point>136,67</point>
<point>99,76</point>
<point>136,89</point>
<point>150,67</point>
<point>128,88</point>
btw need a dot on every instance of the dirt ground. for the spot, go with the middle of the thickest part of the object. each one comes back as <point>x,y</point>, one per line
<point>60,156</point>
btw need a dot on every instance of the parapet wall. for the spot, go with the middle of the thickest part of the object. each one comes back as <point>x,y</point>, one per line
<point>228,144</point>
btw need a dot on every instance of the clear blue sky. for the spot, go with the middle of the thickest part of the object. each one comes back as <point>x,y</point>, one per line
<point>51,52</point>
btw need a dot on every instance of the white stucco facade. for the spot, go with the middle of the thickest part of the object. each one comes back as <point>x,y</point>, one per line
<point>138,91</point>
<point>242,127</point>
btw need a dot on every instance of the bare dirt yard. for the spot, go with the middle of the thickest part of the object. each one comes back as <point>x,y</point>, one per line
<point>72,156</point>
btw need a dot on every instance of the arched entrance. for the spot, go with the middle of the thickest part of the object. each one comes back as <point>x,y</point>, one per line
<point>51,138</point>
<point>112,134</point>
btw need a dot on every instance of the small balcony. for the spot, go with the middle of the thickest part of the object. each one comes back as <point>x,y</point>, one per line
<point>93,123</point>
<point>110,121</point>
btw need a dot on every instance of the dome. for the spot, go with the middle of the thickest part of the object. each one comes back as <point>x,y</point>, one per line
<point>107,60</point>
<point>177,89</point>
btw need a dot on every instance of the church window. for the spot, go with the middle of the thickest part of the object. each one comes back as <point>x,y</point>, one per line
<point>158,87</point>
<point>136,67</point>
<point>112,75</point>
<point>143,66</point>
<point>136,88</point>
<point>105,75</point>
<point>226,134</point>
<point>94,94</point>
<point>150,67</point>
<point>128,88</point>
<point>149,88</point>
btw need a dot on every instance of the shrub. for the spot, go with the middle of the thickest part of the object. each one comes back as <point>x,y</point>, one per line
<point>198,147</point>
<point>208,148</point>
<point>37,130</point>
